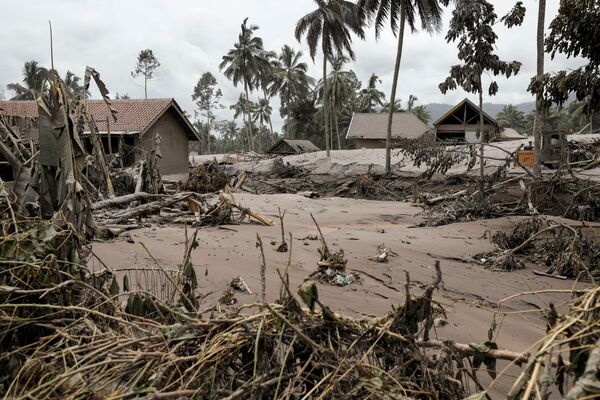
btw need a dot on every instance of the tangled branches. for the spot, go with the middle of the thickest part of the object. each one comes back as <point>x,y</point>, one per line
<point>564,250</point>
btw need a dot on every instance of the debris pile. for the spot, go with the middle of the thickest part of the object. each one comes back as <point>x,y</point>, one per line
<point>207,177</point>
<point>565,251</point>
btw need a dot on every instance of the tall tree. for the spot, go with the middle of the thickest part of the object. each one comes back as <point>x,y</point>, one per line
<point>291,81</point>
<point>244,64</point>
<point>472,26</point>
<point>147,63</point>
<point>331,23</point>
<point>207,97</point>
<point>511,117</point>
<point>33,79</point>
<point>573,32</point>
<point>387,108</point>
<point>412,99</point>
<point>73,85</point>
<point>342,86</point>
<point>262,113</point>
<point>400,13</point>
<point>371,97</point>
<point>538,116</point>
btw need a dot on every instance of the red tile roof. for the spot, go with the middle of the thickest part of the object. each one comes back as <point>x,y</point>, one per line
<point>133,115</point>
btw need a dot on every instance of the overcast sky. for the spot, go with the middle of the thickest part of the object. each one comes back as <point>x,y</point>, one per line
<point>190,36</point>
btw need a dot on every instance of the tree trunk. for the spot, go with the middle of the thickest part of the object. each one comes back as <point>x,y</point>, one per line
<point>325,105</point>
<point>538,119</point>
<point>337,129</point>
<point>388,138</point>
<point>247,116</point>
<point>145,87</point>
<point>208,119</point>
<point>482,137</point>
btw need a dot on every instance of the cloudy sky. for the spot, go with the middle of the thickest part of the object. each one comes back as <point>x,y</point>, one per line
<point>190,37</point>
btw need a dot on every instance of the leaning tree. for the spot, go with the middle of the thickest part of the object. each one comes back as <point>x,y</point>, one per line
<point>472,25</point>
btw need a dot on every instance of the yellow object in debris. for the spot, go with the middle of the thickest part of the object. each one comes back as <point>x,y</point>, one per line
<point>526,158</point>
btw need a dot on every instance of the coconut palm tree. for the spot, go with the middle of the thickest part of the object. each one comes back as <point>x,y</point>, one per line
<point>511,117</point>
<point>73,85</point>
<point>401,13</point>
<point>244,63</point>
<point>422,113</point>
<point>370,97</point>
<point>538,121</point>
<point>262,113</point>
<point>33,79</point>
<point>412,99</point>
<point>397,107</point>
<point>331,23</point>
<point>290,80</point>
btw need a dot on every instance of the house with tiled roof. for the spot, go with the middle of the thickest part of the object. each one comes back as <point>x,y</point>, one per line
<point>137,122</point>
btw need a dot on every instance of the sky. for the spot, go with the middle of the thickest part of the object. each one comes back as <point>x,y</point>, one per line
<point>189,37</point>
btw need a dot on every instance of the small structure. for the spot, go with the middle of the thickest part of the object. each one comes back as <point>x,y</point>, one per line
<point>461,124</point>
<point>287,147</point>
<point>369,130</point>
<point>509,134</point>
<point>137,122</point>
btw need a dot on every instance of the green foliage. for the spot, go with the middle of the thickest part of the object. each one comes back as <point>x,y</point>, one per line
<point>33,78</point>
<point>511,117</point>
<point>371,97</point>
<point>574,32</point>
<point>147,63</point>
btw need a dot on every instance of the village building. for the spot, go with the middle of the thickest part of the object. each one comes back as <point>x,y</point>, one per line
<point>369,130</point>
<point>287,147</point>
<point>461,124</point>
<point>138,120</point>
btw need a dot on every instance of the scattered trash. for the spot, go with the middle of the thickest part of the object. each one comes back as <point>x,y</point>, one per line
<point>240,285</point>
<point>383,254</point>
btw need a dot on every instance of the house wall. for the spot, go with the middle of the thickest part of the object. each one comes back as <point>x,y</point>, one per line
<point>174,144</point>
<point>368,143</point>
<point>467,132</point>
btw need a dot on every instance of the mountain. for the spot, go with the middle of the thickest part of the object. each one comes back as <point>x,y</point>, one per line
<point>438,109</point>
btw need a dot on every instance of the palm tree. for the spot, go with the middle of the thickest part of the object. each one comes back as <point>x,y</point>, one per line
<point>397,107</point>
<point>331,23</point>
<point>400,13</point>
<point>33,79</point>
<point>511,117</point>
<point>244,63</point>
<point>262,113</point>
<point>290,79</point>
<point>340,85</point>
<point>422,113</point>
<point>371,97</point>
<point>412,99</point>
<point>73,85</point>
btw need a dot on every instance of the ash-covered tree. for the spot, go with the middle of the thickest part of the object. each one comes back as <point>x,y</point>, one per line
<point>371,97</point>
<point>33,78</point>
<point>331,23</point>
<point>147,63</point>
<point>207,97</point>
<point>472,25</point>
<point>245,63</point>
<point>422,113</point>
<point>401,13</point>
<point>575,33</point>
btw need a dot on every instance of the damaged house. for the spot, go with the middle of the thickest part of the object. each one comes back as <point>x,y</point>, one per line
<point>138,120</point>
<point>461,124</point>
<point>369,130</point>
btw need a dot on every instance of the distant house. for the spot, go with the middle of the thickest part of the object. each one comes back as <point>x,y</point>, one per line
<point>137,121</point>
<point>369,130</point>
<point>291,146</point>
<point>461,124</point>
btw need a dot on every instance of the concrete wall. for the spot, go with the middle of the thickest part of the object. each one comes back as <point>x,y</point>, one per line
<point>174,144</point>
